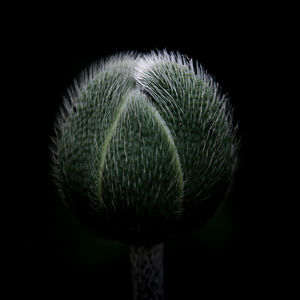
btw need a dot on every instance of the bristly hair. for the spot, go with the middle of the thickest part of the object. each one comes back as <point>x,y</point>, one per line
<point>68,107</point>
<point>143,138</point>
<point>157,68</point>
<point>148,60</point>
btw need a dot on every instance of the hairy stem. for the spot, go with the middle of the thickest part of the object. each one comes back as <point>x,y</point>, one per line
<point>147,272</point>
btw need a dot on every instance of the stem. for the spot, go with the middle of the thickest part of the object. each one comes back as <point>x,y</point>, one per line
<point>147,272</point>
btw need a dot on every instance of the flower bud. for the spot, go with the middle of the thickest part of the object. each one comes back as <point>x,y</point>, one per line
<point>145,147</point>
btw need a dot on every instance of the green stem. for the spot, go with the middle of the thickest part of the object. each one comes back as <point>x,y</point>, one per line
<point>147,272</point>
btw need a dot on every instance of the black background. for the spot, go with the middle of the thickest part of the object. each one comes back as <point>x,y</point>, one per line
<point>236,254</point>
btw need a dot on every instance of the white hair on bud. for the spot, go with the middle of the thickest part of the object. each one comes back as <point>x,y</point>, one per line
<point>143,131</point>
<point>147,61</point>
<point>70,103</point>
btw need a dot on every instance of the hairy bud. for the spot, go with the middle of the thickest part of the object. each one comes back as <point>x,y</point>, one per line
<point>144,147</point>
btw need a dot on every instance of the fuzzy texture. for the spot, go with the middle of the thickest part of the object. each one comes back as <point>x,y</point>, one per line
<point>141,144</point>
<point>147,272</point>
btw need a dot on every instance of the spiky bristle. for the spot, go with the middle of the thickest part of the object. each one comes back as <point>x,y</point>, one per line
<point>141,142</point>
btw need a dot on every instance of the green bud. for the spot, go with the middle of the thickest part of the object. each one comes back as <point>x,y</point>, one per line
<point>145,147</point>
